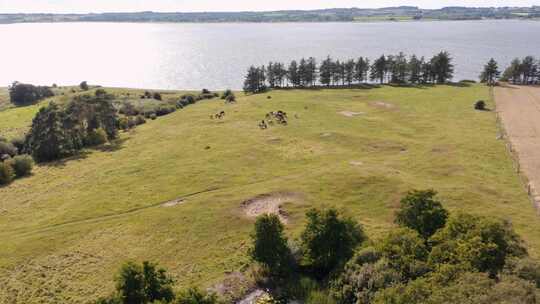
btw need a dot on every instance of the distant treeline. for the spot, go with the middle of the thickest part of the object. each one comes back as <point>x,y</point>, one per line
<point>398,69</point>
<point>324,15</point>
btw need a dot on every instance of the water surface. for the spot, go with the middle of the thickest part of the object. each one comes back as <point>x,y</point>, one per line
<point>215,56</point>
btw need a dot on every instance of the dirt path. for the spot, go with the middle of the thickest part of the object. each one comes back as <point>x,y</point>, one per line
<point>519,110</point>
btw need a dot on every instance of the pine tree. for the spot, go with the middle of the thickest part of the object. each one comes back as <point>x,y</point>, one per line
<point>442,67</point>
<point>292,74</point>
<point>415,69</point>
<point>326,71</point>
<point>491,73</point>
<point>349,68</point>
<point>361,69</point>
<point>379,69</point>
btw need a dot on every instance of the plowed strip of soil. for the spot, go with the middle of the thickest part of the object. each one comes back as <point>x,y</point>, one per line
<point>519,109</point>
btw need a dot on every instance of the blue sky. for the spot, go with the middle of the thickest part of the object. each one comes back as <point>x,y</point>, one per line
<point>83,6</point>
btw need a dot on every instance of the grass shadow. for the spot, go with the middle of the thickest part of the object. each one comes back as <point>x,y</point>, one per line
<point>112,146</point>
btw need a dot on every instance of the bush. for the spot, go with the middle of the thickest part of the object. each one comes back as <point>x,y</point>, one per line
<point>206,96</point>
<point>7,173</point>
<point>165,109</point>
<point>480,105</point>
<point>139,120</point>
<point>479,243</point>
<point>96,137</point>
<point>227,93</point>
<point>153,116</point>
<point>7,148</point>
<point>270,245</point>
<point>206,91</point>
<point>84,86</point>
<point>195,296</point>
<point>22,165</point>
<point>18,142</point>
<point>24,94</point>
<point>141,284</point>
<point>420,212</point>
<point>230,98</point>
<point>329,240</point>
<point>157,96</point>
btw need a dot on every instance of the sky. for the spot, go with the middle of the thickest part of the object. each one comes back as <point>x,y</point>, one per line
<point>97,6</point>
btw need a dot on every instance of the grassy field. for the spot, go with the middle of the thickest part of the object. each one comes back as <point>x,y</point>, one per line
<point>66,229</point>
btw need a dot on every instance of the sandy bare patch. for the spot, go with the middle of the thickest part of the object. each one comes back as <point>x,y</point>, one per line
<point>383,105</point>
<point>356,163</point>
<point>350,113</point>
<point>326,134</point>
<point>173,203</point>
<point>269,204</point>
<point>519,110</point>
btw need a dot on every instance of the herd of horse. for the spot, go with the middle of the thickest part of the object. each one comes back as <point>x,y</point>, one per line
<point>271,118</point>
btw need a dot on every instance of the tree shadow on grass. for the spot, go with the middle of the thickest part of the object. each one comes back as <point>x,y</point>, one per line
<point>112,146</point>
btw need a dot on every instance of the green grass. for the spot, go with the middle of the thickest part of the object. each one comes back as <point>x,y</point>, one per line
<point>66,230</point>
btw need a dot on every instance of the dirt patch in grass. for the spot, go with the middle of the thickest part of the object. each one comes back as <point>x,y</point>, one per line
<point>270,203</point>
<point>382,105</point>
<point>351,114</point>
<point>356,163</point>
<point>173,203</point>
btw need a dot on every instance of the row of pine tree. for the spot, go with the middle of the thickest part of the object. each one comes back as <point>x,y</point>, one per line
<point>398,69</point>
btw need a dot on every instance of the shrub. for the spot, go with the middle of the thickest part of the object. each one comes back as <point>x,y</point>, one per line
<point>84,86</point>
<point>165,109</point>
<point>139,120</point>
<point>25,94</point>
<point>360,282</point>
<point>141,284</point>
<point>525,268</point>
<point>8,148</point>
<point>480,105</point>
<point>230,98</point>
<point>96,137</point>
<point>479,243</point>
<point>7,173</point>
<point>195,296</point>
<point>123,123</point>
<point>153,116</point>
<point>206,91</point>
<point>419,211</point>
<point>18,142</point>
<point>128,109</point>
<point>270,245</point>
<point>157,96</point>
<point>329,239</point>
<point>22,165</point>
<point>226,93</point>
<point>405,251</point>
<point>206,96</point>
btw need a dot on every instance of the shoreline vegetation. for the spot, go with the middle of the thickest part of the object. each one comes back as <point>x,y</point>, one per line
<point>401,13</point>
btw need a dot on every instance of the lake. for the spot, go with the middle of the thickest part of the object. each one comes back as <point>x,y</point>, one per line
<point>215,56</point>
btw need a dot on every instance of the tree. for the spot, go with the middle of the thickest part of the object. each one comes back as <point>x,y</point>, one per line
<point>329,239</point>
<point>442,67</point>
<point>421,212</point>
<point>303,72</point>
<point>293,74</point>
<point>142,284</point>
<point>326,71</point>
<point>195,296</point>
<point>47,139</point>
<point>84,86</point>
<point>271,75</point>
<point>415,69</point>
<point>477,243</point>
<point>405,251</point>
<point>22,94</point>
<point>270,245</point>
<point>491,73</point>
<point>379,69</point>
<point>349,68</point>
<point>7,174</point>
<point>311,71</point>
<point>361,69</point>
<point>513,72</point>
<point>255,80</point>
<point>528,69</point>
